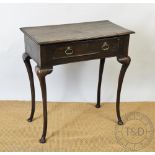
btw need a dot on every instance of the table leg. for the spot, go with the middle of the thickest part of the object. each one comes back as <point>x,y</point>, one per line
<point>41,73</point>
<point>102,61</point>
<point>26,59</point>
<point>125,61</point>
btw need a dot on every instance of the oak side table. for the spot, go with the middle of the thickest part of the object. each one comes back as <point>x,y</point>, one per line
<point>53,45</point>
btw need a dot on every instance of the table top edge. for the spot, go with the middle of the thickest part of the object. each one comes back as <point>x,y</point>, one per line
<point>126,32</point>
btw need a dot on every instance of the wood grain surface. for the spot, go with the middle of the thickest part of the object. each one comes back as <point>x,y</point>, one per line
<point>71,32</point>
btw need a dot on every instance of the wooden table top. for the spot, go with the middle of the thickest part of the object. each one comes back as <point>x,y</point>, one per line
<point>73,32</point>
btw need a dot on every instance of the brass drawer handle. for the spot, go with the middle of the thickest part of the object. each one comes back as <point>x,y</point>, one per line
<point>105,46</point>
<point>69,51</point>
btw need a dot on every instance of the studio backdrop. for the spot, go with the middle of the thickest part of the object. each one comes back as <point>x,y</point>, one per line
<point>78,81</point>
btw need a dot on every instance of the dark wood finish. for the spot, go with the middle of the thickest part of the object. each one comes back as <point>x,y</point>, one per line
<point>125,61</point>
<point>26,60</point>
<point>33,50</point>
<point>77,31</point>
<point>41,73</point>
<point>43,43</point>
<point>50,55</point>
<point>102,61</point>
<point>53,45</point>
<point>79,48</point>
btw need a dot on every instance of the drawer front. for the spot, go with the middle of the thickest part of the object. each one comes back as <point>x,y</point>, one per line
<point>107,46</point>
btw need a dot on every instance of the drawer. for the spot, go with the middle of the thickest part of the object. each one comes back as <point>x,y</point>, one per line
<point>106,46</point>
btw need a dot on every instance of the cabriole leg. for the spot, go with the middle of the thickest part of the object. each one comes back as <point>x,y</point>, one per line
<point>41,73</point>
<point>125,61</point>
<point>102,61</point>
<point>26,59</point>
